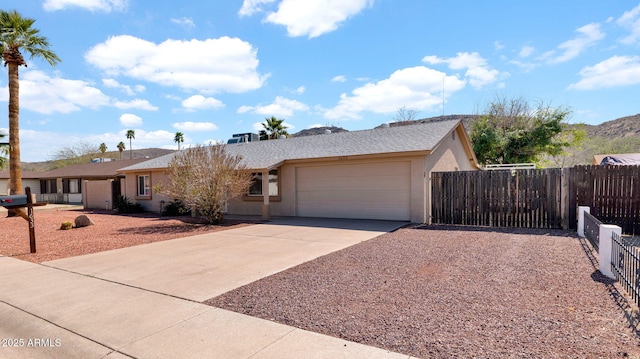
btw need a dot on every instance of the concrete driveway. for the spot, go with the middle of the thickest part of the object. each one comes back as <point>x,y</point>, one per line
<point>205,266</point>
<point>143,302</point>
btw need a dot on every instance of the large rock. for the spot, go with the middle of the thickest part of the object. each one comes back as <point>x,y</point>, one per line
<point>83,221</point>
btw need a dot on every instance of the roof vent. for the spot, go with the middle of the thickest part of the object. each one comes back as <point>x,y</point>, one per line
<point>282,137</point>
<point>327,131</point>
<point>385,125</point>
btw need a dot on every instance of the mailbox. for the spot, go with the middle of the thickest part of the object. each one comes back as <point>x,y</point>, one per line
<point>14,200</point>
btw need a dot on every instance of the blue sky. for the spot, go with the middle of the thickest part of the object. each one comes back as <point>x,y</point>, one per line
<point>213,68</point>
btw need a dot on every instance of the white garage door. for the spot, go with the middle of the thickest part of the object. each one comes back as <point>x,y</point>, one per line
<point>364,191</point>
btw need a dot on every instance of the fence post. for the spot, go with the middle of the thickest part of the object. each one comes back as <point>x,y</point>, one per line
<point>581,210</point>
<point>604,248</point>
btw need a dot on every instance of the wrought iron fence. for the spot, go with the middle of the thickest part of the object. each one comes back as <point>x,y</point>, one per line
<point>625,263</point>
<point>592,230</point>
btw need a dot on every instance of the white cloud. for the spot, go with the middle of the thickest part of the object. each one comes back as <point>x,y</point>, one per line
<point>195,126</point>
<point>416,87</point>
<point>313,18</point>
<point>209,66</point>
<point>339,78</point>
<point>130,120</point>
<point>199,102</point>
<point>631,20</point>
<point>137,104</point>
<point>44,94</point>
<point>498,45</point>
<point>112,83</point>
<point>526,51</point>
<point>588,35</point>
<point>184,21</point>
<point>478,71</point>
<point>614,72</point>
<point>300,90</point>
<point>281,107</point>
<point>91,5</point>
<point>250,7</point>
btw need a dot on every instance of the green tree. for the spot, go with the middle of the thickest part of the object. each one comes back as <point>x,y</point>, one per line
<point>513,131</point>
<point>17,33</point>
<point>121,148</point>
<point>273,129</point>
<point>205,177</point>
<point>131,135</point>
<point>178,138</point>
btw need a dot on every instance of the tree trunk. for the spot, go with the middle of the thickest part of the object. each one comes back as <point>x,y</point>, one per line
<point>15,168</point>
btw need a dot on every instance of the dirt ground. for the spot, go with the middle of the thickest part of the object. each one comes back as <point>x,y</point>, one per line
<point>452,292</point>
<point>111,231</point>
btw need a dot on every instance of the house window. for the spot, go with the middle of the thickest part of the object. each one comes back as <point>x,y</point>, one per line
<point>144,186</point>
<point>48,186</point>
<point>256,185</point>
<point>72,185</point>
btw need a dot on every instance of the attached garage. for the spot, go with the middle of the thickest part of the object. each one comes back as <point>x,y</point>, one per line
<point>358,191</point>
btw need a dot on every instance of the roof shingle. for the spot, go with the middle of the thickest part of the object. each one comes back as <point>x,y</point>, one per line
<point>268,154</point>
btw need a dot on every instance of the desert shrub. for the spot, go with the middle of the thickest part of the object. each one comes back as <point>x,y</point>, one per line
<point>175,208</point>
<point>123,205</point>
<point>66,225</point>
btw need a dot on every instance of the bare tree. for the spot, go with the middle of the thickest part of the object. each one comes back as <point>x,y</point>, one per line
<point>405,114</point>
<point>205,177</point>
<point>82,152</point>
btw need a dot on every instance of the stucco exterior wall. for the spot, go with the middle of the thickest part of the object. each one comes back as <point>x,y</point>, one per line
<point>33,183</point>
<point>97,194</point>
<point>150,203</point>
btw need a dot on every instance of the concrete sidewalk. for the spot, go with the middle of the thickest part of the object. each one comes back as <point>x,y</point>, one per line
<point>52,312</point>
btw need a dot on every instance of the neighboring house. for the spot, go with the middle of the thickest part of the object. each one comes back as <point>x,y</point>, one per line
<point>29,179</point>
<point>621,159</point>
<point>93,184</point>
<point>371,174</point>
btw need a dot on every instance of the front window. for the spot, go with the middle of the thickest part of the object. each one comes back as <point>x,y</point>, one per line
<point>256,185</point>
<point>71,185</point>
<point>144,186</point>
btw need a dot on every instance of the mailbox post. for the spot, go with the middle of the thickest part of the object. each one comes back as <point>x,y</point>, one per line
<point>16,202</point>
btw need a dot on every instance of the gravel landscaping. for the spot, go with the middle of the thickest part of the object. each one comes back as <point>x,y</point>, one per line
<point>448,292</point>
<point>110,231</point>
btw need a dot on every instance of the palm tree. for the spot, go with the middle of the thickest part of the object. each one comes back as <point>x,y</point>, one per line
<point>103,149</point>
<point>131,135</point>
<point>121,148</point>
<point>179,138</point>
<point>273,128</point>
<point>16,32</point>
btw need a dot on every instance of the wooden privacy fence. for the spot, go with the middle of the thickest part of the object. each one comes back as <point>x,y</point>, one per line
<point>521,198</point>
<point>612,193</point>
<point>544,198</point>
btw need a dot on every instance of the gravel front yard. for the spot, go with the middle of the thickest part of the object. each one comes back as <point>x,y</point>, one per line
<point>447,292</point>
<point>110,231</point>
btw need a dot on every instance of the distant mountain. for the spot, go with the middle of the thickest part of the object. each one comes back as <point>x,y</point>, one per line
<point>618,128</point>
<point>318,131</point>
<point>114,155</point>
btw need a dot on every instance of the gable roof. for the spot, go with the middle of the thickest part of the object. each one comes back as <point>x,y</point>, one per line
<point>25,174</point>
<point>387,140</point>
<point>91,170</point>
